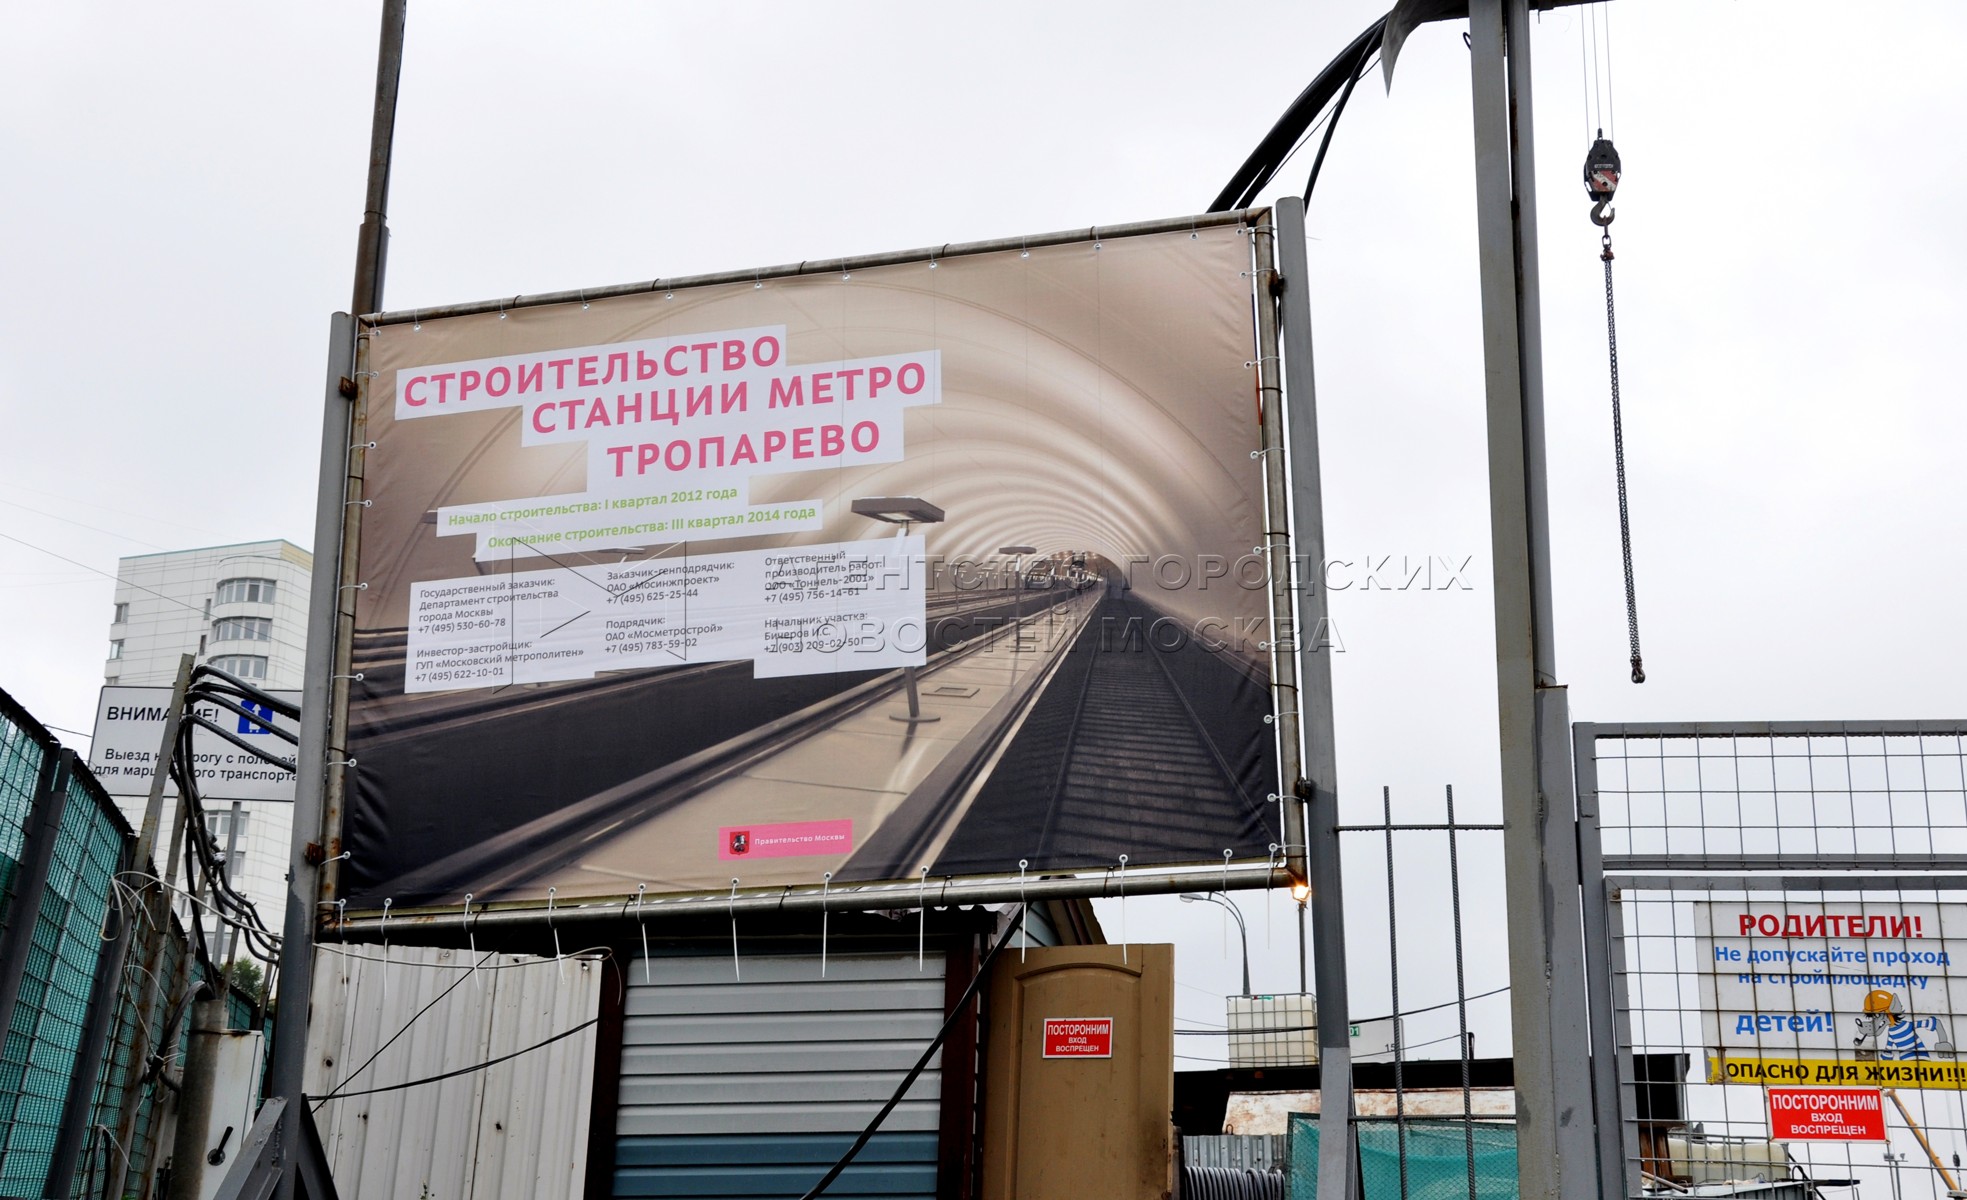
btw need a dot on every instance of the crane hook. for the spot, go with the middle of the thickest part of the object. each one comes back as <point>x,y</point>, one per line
<point>1602,213</point>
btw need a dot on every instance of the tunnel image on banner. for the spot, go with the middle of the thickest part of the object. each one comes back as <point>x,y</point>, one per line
<point>941,564</point>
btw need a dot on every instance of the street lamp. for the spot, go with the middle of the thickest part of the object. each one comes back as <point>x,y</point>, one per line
<point>1241,929</point>
<point>1017,554</point>
<point>903,511</point>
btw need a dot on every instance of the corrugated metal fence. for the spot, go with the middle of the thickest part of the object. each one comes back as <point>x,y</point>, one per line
<point>754,1087</point>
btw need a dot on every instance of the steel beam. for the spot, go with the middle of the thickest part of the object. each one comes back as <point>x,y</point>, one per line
<point>1556,1152</point>
<point>1337,1177</point>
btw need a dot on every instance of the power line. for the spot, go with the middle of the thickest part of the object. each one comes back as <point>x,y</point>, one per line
<point>492,1062</point>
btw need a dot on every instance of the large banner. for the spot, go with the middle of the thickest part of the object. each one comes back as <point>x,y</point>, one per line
<point>1816,993</point>
<point>938,565</point>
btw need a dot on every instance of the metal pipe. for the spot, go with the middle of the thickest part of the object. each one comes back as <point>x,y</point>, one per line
<point>901,894</point>
<point>313,805</point>
<point>1277,544</point>
<point>829,266</point>
<point>1242,930</point>
<point>1318,791</point>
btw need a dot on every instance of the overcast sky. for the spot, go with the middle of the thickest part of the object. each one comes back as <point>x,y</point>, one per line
<point>184,186</point>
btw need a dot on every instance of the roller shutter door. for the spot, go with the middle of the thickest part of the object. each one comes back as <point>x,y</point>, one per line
<point>754,1087</point>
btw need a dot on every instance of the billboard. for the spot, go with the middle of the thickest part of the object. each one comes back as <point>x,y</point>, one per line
<point>936,564</point>
<point>130,729</point>
<point>1833,993</point>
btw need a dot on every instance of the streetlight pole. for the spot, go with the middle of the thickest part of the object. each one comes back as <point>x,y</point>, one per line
<point>1242,930</point>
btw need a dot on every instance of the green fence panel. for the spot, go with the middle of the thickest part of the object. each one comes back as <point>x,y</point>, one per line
<point>1437,1154</point>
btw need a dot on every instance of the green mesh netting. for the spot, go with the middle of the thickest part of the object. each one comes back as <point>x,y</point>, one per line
<point>1436,1154</point>
<point>38,1057</point>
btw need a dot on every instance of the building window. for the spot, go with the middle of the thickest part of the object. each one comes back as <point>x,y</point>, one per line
<point>116,648</point>
<point>122,613</point>
<point>242,629</point>
<point>242,666</point>
<point>245,591</point>
<point>220,823</point>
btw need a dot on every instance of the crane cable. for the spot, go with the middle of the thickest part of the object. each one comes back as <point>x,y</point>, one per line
<point>1601,181</point>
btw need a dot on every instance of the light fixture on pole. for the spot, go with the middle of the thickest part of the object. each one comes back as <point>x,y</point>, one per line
<point>1241,929</point>
<point>903,511</point>
<point>1017,554</point>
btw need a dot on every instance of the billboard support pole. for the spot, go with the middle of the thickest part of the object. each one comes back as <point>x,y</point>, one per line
<point>315,758</point>
<point>1319,787</point>
<point>1277,551</point>
<point>1557,1153</point>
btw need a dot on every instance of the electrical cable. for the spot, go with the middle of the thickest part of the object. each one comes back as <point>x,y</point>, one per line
<point>1356,1020</point>
<point>1332,125</point>
<point>956,1010</point>
<point>1268,158</point>
<point>490,1062</point>
<point>335,1091</point>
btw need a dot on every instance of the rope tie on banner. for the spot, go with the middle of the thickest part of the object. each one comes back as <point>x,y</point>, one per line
<point>341,919</point>
<point>416,322</point>
<point>1123,908</point>
<point>471,939</point>
<point>922,921</point>
<point>386,902</point>
<point>559,963</point>
<point>826,882</point>
<point>641,889</point>
<point>1024,912</point>
<point>732,908</point>
<point>1271,719</point>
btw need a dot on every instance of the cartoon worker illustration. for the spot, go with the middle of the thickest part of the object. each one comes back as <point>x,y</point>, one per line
<point>1886,1031</point>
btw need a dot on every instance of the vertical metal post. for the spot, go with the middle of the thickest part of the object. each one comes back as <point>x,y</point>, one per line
<point>288,1061</point>
<point>1608,1064</point>
<point>1318,791</point>
<point>1556,1151</point>
<point>31,879</point>
<point>156,909</point>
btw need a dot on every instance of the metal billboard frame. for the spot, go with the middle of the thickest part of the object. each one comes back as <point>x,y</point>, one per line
<point>1300,673</point>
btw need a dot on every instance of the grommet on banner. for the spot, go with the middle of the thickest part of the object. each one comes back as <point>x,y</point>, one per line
<point>341,919</point>
<point>826,881</point>
<point>1227,855</point>
<point>1024,911</point>
<point>640,890</point>
<point>363,446</point>
<point>757,281</point>
<point>559,963</point>
<point>922,919</point>
<point>932,262</point>
<point>357,677</point>
<point>736,973</point>
<point>1271,719</point>
<point>1123,908</point>
<point>416,322</point>
<point>1024,251</point>
<point>471,939</point>
<point>583,298</point>
<point>359,504</point>
<point>386,902</point>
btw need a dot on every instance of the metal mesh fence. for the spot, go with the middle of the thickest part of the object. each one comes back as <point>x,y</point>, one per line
<point>51,954</point>
<point>1414,1159</point>
<point>55,990</point>
<point>1785,916</point>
